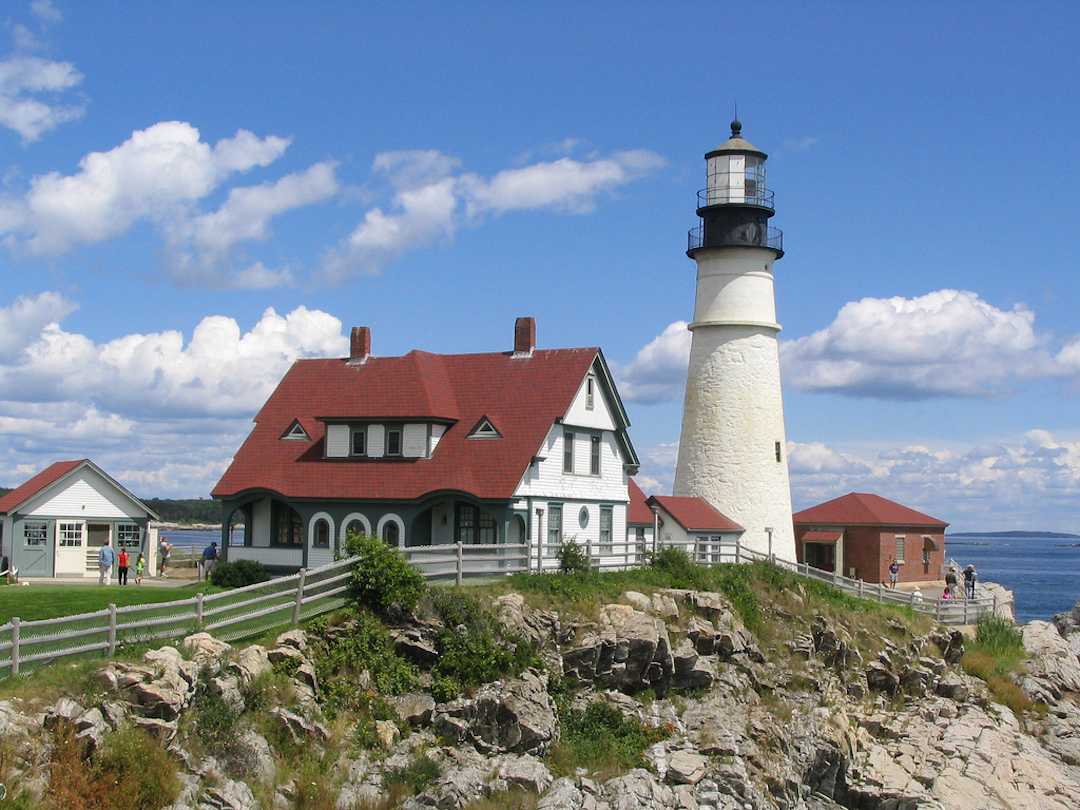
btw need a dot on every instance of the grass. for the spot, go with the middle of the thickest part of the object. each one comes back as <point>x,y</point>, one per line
<point>415,776</point>
<point>996,655</point>
<point>54,601</point>
<point>601,740</point>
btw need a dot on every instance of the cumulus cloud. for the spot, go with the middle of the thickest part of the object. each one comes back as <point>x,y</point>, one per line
<point>152,175</point>
<point>33,92</point>
<point>658,371</point>
<point>944,343</point>
<point>46,11</point>
<point>22,321</point>
<point>433,198</point>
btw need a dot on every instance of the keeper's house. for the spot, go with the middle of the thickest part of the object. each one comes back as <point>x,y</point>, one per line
<point>428,449</point>
<point>55,523</point>
<point>860,534</point>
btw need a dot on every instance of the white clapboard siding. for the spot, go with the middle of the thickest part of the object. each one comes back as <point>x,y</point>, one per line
<point>337,441</point>
<point>599,416</point>
<point>414,444</point>
<point>376,441</point>
<point>86,495</point>
<point>546,479</point>
<point>437,432</point>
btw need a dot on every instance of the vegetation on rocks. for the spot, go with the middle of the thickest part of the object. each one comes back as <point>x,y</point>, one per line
<point>382,580</point>
<point>996,655</point>
<point>601,740</point>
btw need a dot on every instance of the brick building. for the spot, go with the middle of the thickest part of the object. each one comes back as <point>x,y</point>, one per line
<point>860,534</point>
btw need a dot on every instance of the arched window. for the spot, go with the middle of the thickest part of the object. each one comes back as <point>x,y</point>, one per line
<point>356,527</point>
<point>390,533</point>
<point>322,534</point>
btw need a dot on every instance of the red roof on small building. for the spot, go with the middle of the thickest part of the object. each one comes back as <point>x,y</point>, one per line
<point>521,396</point>
<point>695,514</point>
<point>47,477</point>
<point>821,537</point>
<point>865,509</point>
<point>638,512</point>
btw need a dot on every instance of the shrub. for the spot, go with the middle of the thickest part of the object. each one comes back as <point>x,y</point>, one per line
<point>417,775</point>
<point>212,719</point>
<point>995,655</point>
<point>572,558</point>
<point>238,574</point>
<point>602,740</point>
<point>382,579</point>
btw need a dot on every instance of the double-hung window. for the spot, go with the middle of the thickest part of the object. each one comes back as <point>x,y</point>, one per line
<point>466,523</point>
<point>359,440</point>
<point>393,440</point>
<point>35,533</point>
<point>594,454</point>
<point>901,543</point>
<point>606,522</point>
<point>488,533</point>
<point>70,535</point>
<point>555,524</point>
<point>568,452</point>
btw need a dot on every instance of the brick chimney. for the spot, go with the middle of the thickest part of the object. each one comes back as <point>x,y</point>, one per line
<point>524,336</point>
<point>360,344</point>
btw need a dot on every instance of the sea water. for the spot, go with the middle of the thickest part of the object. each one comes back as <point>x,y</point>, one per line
<point>1042,572</point>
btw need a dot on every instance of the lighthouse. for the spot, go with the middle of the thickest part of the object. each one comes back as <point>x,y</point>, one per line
<point>733,450</point>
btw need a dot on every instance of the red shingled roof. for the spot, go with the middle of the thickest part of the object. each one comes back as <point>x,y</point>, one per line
<point>50,475</point>
<point>865,509</point>
<point>638,512</point>
<point>695,514</point>
<point>522,396</point>
<point>821,537</point>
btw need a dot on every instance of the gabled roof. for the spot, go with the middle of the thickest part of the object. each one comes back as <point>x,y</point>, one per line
<point>523,396</point>
<point>55,473</point>
<point>695,514</point>
<point>638,512</point>
<point>866,509</point>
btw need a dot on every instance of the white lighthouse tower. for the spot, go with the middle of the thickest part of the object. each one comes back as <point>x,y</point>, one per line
<point>733,449</point>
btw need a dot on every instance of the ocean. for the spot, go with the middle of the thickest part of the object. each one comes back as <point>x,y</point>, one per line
<point>1042,572</point>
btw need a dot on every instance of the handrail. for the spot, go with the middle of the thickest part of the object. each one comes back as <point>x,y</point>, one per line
<point>749,193</point>
<point>770,237</point>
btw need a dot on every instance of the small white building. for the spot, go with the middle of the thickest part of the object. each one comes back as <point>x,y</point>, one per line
<point>694,525</point>
<point>55,524</point>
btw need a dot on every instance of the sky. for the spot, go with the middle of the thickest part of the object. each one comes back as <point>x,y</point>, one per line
<point>193,195</point>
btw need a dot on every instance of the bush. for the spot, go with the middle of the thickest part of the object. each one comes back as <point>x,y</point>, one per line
<point>572,558</point>
<point>602,740</point>
<point>212,719</point>
<point>674,561</point>
<point>382,579</point>
<point>238,574</point>
<point>417,775</point>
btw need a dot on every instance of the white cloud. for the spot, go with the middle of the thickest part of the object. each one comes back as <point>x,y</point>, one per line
<point>657,473</point>
<point>29,91</point>
<point>658,371</point>
<point>944,343</point>
<point>21,321</point>
<point>432,199</point>
<point>801,144</point>
<point>152,175</point>
<point>46,11</point>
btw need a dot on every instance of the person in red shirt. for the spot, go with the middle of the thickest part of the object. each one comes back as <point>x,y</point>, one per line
<point>122,566</point>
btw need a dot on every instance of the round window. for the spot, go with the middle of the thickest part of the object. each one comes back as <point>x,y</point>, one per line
<point>583,517</point>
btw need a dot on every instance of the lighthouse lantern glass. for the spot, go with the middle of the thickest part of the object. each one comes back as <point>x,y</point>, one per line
<point>735,179</point>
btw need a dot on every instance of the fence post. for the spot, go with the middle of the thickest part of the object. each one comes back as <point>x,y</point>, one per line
<point>860,589</point>
<point>299,597</point>
<point>15,645</point>
<point>912,600</point>
<point>937,611</point>
<point>965,610</point>
<point>459,562</point>
<point>995,603</point>
<point>738,547</point>
<point>198,610</point>
<point>588,553</point>
<point>880,594</point>
<point>112,630</point>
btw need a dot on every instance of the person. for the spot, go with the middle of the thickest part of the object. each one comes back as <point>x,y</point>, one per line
<point>969,581</point>
<point>950,581</point>
<point>163,557</point>
<point>209,557</point>
<point>106,558</point>
<point>122,566</point>
<point>894,573</point>
<point>946,595</point>
<point>140,566</point>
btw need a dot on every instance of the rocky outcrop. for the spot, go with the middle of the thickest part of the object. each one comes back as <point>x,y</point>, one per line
<point>1053,668</point>
<point>515,716</point>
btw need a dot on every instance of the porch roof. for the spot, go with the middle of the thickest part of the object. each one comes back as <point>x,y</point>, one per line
<point>821,537</point>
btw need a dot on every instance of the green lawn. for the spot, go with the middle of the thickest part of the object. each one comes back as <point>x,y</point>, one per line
<point>50,601</point>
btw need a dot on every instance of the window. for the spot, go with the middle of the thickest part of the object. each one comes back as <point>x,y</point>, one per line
<point>128,535</point>
<point>779,456</point>
<point>594,455</point>
<point>488,531</point>
<point>391,535</point>
<point>606,519</point>
<point>70,535</point>
<point>568,452</point>
<point>484,430</point>
<point>555,524</point>
<point>35,533</point>
<point>901,542</point>
<point>359,441</point>
<point>322,534</point>
<point>296,431</point>
<point>393,440</point>
<point>583,517</point>
<point>466,523</point>
<point>590,397</point>
<point>289,528</point>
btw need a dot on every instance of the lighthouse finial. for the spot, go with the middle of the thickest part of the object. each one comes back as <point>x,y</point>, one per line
<point>736,124</point>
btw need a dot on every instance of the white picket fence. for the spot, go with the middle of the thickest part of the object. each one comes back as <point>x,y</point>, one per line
<point>248,611</point>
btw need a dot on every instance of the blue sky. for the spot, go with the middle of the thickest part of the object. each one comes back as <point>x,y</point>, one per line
<point>434,171</point>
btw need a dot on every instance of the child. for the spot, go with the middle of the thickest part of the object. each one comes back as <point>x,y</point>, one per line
<point>946,595</point>
<point>140,566</point>
<point>122,566</point>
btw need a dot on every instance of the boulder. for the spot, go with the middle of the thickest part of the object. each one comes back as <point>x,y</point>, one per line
<point>65,710</point>
<point>686,768</point>
<point>252,753</point>
<point>517,716</point>
<point>413,645</point>
<point>953,687</point>
<point>387,733</point>
<point>526,772</point>
<point>251,663</point>
<point>227,687</point>
<point>297,639</point>
<point>664,606</point>
<point>161,730</point>
<point>881,679</point>
<point>1052,663</point>
<point>300,729</point>
<point>228,795</point>
<point>636,600</point>
<point>206,651</point>
<point>917,680</point>
<point>414,709</point>
<point>702,634</point>
<point>539,627</point>
<point>640,641</point>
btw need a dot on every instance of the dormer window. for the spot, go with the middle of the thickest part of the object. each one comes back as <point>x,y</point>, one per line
<point>485,430</point>
<point>296,432</point>
<point>393,440</point>
<point>590,396</point>
<point>359,441</point>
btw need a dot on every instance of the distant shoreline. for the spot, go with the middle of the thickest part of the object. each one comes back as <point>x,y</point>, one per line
<point>1015,535</point>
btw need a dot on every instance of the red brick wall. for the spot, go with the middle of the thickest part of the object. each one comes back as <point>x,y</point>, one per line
<point>862,551</point>
<point>870,550</point>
